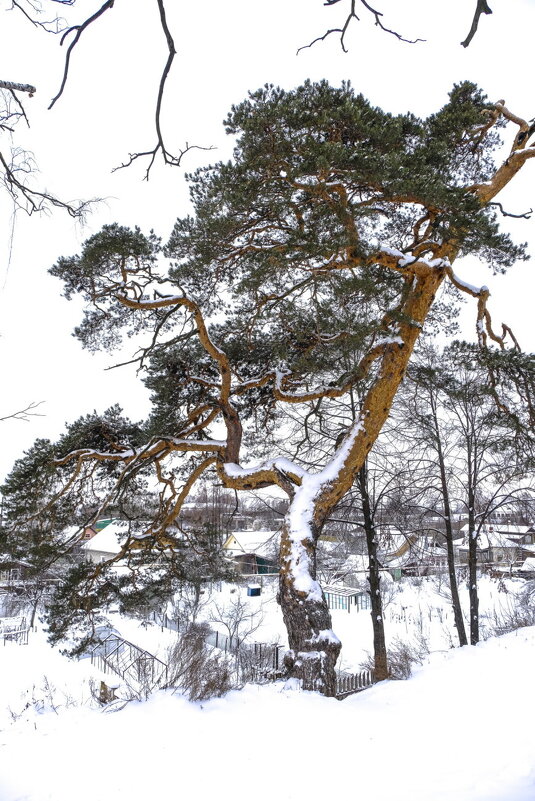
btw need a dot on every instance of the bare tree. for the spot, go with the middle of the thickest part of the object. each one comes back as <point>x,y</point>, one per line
<point>469,455</point>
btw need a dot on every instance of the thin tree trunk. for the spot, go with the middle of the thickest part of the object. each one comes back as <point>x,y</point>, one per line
<point>454,588</point>
<point>472,558</point>
<point>455,599</point>
<point>35,604</point>
<point>374,579</point>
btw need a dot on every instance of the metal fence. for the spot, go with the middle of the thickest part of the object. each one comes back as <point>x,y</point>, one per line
<point>139,669</point>
<point>259,655</point>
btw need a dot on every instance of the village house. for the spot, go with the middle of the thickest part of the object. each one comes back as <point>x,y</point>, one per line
<point>253,552</point>
<point>106,541</point>
<point>506,544</point>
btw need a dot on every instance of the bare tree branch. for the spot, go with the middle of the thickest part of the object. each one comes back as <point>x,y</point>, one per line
<point>24,414</point>
<point>32,200</point>
<point>526,215</point>
<point>168,157</point>
<point>482,7</point>
<point>32,15</point>
<point>351,16</point>
<point>79,31</point>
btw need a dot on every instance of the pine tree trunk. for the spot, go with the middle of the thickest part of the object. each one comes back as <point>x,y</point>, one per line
<point>374,579</point>
<point>313,646</point>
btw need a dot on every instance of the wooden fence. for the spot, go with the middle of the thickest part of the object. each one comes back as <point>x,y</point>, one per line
<point>350,683</point>
<point>14,629</point>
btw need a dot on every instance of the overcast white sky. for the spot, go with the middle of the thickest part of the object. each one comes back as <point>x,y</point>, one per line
<point>224,49</point>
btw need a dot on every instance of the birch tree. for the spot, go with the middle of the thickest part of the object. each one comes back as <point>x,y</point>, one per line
<point>329,232</point>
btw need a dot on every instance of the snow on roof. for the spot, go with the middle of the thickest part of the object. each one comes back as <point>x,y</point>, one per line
<point>509,529</point>
<point>355,562</point>
<point>341,590</point>
<point>528,565</point>
<point>395,546</point>
<point>71,531</point>
<point>495,539</point>
<point>110,539</point>
<point>259,542</point>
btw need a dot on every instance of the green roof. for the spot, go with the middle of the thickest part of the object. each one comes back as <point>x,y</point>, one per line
<point>100,524</point>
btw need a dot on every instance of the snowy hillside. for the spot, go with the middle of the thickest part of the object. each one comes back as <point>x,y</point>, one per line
<point>459,730</point>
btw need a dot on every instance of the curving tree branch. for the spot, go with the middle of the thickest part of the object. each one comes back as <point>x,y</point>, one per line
<point>79,31</point>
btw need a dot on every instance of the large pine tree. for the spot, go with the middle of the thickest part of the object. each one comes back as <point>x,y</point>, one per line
<point>321,244</point>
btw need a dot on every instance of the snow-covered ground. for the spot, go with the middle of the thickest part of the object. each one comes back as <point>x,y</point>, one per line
<point>459,730</point>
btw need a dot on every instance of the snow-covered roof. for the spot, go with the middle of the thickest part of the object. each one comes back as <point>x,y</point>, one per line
<point>354,563</point>
<point>259,542</point>
<point>341,590</point>
<point>528,565</point>
<point>110,539</point>
<point>71,531</point>
<point>492,537</point>
<point>395,547</point>
<point>509,529</point>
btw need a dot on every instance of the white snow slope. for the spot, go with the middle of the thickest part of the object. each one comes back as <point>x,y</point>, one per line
<point>461,729</point>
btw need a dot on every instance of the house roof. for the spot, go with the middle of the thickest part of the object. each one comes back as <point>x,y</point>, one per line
<point>396,548</point>
<point>110,539</point>
<point>495,537</point>
<point>341,591</point>
<point>509,529</point>
<point>100,524</point>
<point>354,563</point>
<point>251,542</point>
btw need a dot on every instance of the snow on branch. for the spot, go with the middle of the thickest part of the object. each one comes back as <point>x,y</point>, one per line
<point>18,87</point>
<point>152,450</point>
<point>464,286</point>
<point>279,471</point>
